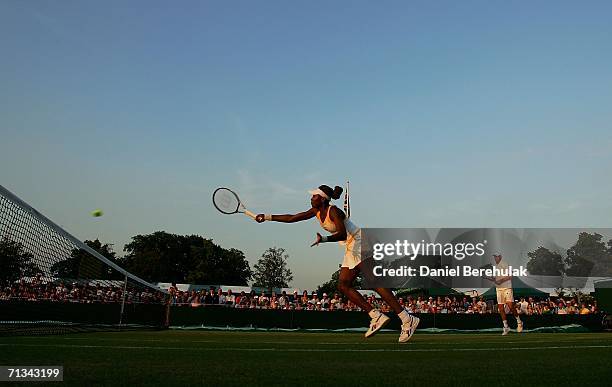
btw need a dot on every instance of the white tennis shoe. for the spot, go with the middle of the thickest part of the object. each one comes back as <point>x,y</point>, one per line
<point>408,329</point>
<point>377,323</point>
<point>506,331</point>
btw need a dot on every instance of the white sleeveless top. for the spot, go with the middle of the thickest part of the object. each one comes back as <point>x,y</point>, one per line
<point>352,231</point>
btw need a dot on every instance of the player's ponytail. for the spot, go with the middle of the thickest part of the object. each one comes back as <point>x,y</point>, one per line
<point>329,193</point>
<point>337,192</point>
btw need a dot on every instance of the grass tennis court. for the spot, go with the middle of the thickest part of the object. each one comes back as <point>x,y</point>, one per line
<point>267,358</point>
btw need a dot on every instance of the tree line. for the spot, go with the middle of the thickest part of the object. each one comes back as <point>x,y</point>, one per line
<point>165,257</point>
<point>156,257</point>
<point>589,256</point>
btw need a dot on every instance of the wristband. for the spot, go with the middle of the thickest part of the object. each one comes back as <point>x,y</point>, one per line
<point>267,217</point>
<point>324,239</point>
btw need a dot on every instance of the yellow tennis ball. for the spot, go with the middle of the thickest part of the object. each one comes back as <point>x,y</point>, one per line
<point>97,213</point>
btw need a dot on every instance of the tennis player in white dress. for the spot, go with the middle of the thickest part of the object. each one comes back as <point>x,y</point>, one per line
<point>344,231</point>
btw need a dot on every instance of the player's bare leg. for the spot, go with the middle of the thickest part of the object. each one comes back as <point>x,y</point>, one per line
<point>345,285</point>
<point>519,323</point>
<point>390,299</point>
<point>502,313</point>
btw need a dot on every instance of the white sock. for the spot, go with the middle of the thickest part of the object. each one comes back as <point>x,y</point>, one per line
<point>518,319</point>
<point>404,316</point>
<point>505,323</point>
<point>374,313</point>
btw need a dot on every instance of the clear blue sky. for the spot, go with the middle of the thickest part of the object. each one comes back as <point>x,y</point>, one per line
<point>442,114</point>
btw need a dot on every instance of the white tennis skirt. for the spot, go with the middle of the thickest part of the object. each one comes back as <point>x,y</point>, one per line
<point>352,253</point>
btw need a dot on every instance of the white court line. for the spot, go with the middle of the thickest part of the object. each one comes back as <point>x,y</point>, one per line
<point>313,349</point>
<point>501,341</point>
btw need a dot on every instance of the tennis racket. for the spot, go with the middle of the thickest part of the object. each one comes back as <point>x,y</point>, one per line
<point>227,202</point>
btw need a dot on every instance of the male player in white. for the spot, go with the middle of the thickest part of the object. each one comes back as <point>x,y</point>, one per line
<point>505,296</point>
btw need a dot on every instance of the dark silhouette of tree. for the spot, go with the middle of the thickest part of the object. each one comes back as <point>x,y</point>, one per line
<point>271,269</point>
<point>15,262</point>
<point>545,262</point>
<point>164,257</point>
<point>82,265</point>
<point>588,253</point>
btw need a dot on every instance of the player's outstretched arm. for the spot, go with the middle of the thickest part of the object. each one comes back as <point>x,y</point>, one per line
<point>287,218</point>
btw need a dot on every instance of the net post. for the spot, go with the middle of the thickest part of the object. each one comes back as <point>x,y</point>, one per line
<point>166,322</point>
<point>125,281</point>
<point>347,203</point>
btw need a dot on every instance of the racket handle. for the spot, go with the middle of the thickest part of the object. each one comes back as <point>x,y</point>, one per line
<point>249,213</point>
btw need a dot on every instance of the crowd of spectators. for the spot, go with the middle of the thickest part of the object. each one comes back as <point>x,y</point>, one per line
<point>37,289</point>
<point>325,302</point>
<point>530,306</point>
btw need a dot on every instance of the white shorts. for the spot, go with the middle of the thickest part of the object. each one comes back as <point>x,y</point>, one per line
<point>504,295</point>
<point>352,254</point>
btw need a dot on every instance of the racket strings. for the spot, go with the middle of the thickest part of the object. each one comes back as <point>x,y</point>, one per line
<point>226,201</point>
